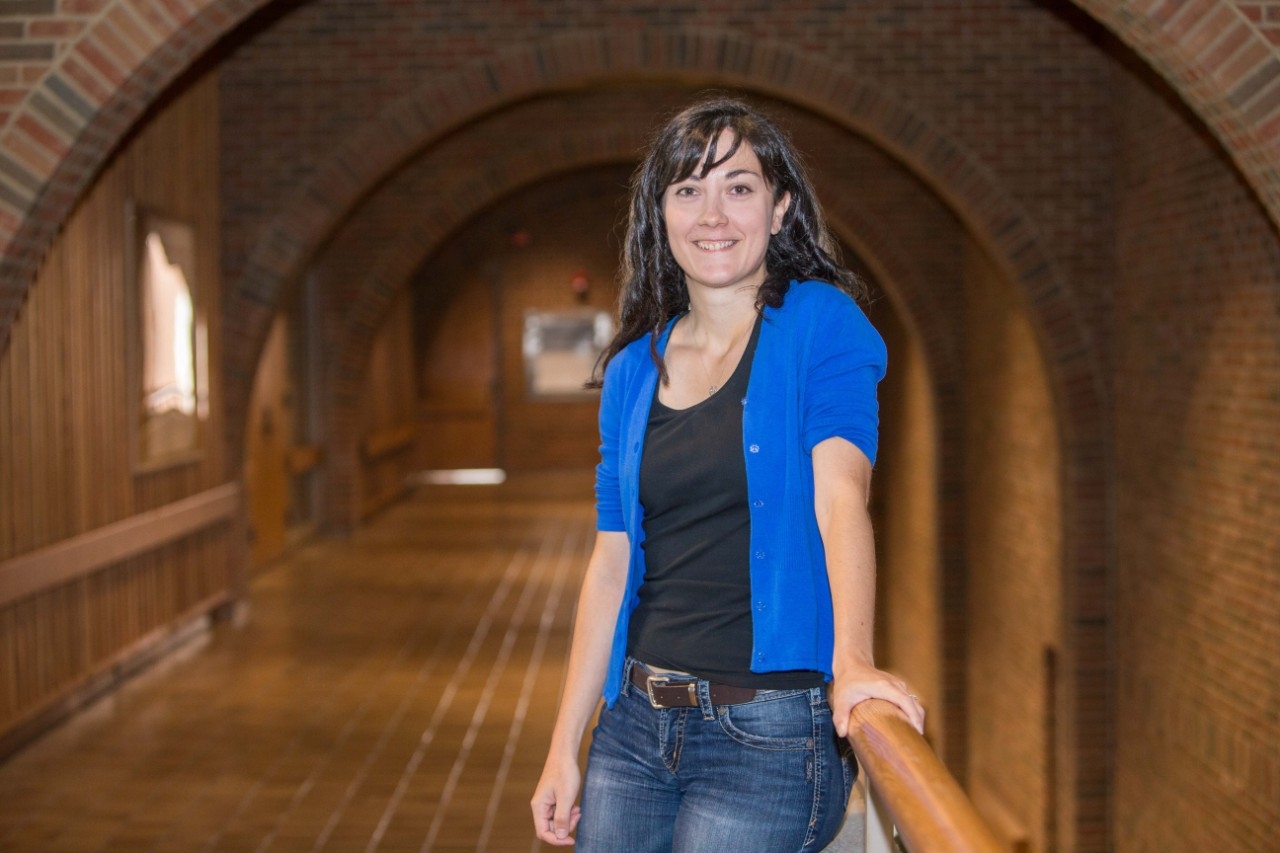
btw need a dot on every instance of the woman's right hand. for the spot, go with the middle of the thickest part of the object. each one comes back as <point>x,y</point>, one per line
<point>555,816</point>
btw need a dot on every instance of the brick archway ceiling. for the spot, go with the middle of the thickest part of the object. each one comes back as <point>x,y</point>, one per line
<point>367,262</point>
<point>376,149</point>
<point>712,58</point>
<point>106,63</point>
<point>364,268</point>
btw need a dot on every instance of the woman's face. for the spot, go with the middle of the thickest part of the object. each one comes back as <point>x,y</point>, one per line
<point>719,226</point>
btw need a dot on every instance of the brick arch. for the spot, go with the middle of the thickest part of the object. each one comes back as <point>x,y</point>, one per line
<point>395,264</point>
<point>705,57</point>
<point>117,64</point>
<point>552,152</point>
<point>1221,57</point>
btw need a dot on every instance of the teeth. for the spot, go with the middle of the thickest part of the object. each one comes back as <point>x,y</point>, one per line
<point>712,247</point>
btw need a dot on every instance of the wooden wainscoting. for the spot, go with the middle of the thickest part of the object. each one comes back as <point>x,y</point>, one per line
<point>77,617</point>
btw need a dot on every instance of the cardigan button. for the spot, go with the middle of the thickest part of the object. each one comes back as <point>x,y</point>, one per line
<point>757,503</point>
<point>759,555</point>
<point>755,448</point>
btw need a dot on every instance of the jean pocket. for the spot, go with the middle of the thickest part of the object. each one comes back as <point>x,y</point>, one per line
<point>785,722</point>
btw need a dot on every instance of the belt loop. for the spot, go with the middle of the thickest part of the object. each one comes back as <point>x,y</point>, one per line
<point>631,665</point>
<point>704,700</point>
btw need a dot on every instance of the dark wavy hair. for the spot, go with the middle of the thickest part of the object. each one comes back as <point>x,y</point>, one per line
<point>652,286</point>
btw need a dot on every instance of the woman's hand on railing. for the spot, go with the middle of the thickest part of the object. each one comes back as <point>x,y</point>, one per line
<point>856,682</point>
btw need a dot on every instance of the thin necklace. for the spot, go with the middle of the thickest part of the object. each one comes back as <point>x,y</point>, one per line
<point>712,384</point>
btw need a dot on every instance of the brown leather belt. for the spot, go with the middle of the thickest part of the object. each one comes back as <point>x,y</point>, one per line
<point>666,691</point>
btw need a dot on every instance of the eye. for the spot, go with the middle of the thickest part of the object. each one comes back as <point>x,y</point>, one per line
<point>740,189</point>
<point>684,191</point>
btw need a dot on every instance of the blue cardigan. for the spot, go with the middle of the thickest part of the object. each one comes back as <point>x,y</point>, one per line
<point>814,375</point>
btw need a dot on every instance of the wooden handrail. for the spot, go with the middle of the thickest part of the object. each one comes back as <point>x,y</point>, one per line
<point>302,458</point>
<point>927,805</point>
<point>389,440</point>
<point>65,561</point>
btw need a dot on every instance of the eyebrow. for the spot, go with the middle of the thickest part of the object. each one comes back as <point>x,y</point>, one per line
<point>734,174</point>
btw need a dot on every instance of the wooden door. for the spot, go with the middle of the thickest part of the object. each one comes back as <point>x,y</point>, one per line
<point>266,451</point>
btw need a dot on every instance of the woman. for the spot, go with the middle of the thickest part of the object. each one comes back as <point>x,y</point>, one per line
<point>726,611</point>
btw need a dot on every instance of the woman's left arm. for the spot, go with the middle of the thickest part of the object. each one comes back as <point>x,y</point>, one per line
<point>842,484</point>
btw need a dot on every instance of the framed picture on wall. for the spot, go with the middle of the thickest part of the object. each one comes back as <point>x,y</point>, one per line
<point>560,351</point>
<point>169,341</point>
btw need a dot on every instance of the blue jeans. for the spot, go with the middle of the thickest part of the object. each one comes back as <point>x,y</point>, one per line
<point>768,775</point>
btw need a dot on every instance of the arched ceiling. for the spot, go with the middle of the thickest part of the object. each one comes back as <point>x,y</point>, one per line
<point>111,62</point>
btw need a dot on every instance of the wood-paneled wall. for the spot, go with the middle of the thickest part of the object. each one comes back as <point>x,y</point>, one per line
<point>473,296</point>
<point>388,410</point>
<point>65,410</point>
<point>458,370</point>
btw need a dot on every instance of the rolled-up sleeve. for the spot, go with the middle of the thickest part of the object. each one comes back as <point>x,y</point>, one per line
<point>608,497</point>
<point>847,360</point>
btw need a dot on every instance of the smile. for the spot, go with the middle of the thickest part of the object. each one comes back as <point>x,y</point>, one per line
<point>714,245</point>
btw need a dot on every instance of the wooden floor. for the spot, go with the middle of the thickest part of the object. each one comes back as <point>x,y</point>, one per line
<point>394,691</point>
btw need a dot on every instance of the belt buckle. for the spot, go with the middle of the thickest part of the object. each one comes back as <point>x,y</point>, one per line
<point>653,681</point>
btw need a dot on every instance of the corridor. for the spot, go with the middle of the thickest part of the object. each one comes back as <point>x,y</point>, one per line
<point>392,691</point>
<point>262,261</point>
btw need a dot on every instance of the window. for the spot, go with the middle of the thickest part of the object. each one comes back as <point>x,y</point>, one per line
<point>172,339</point>
<point>561,349</point>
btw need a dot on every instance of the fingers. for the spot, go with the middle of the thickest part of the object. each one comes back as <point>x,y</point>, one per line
<point>554,822</point>
<point>880,686</point>
<point>912,707</point>
<point>565,822</point>
<point>542,815</point>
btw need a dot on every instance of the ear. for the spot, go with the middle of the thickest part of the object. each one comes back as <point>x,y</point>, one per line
<point>779,212</point>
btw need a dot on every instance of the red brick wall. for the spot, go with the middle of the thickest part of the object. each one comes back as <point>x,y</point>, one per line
<point>905,502</point>
<point>1014,549</point>
<point>1198,492</point>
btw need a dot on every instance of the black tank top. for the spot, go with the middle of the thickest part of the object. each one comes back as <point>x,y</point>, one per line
<point>694,613</point>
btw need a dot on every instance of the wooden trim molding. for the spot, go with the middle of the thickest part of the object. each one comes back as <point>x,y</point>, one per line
<point>304,457</point>
<point>924,800</point>
<point>24,576</point>
<point>389,440</point>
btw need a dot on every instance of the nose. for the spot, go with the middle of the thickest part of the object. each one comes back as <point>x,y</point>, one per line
<point>712,213</point>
